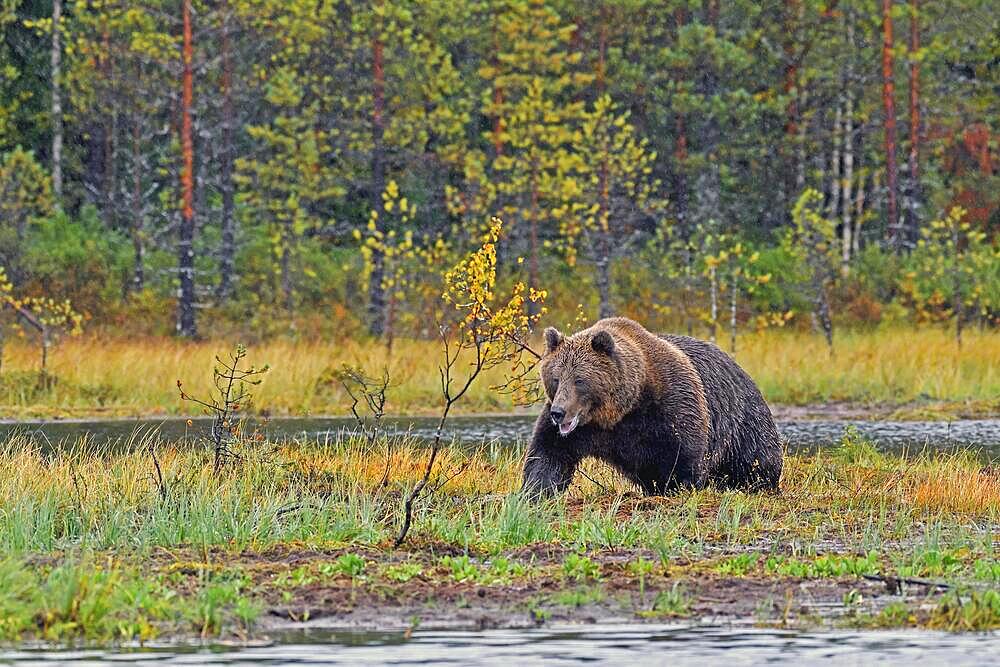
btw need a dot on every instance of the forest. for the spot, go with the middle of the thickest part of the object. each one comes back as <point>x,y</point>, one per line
<point>313,167</point>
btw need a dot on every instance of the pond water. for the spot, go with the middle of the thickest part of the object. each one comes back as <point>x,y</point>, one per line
<point>981,435</point>
<point>602,644</point>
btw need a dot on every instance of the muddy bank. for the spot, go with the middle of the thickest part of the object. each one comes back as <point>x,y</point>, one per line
<point>299,589</point>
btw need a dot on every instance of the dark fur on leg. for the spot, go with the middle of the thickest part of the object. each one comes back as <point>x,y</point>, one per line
<point>550,465</point>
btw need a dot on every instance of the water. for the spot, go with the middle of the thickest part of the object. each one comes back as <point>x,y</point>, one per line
<point>982,435</point>
<point>600,644</point>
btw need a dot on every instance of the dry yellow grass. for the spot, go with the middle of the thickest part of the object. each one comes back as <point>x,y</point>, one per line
<point>130,377</point>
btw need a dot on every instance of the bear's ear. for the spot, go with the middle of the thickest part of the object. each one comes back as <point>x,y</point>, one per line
<point>552,339</point>
<point>603,342</point>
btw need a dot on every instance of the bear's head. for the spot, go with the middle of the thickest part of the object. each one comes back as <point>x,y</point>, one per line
<point>592,377</point>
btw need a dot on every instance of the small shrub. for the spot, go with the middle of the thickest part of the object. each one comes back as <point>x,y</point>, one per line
<point>580,568</point>
<point>738,566</point>
<point>462,568</point>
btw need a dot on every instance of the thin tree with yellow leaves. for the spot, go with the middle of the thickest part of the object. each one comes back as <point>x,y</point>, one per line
<point>486,330</point>
<point>47,316</point>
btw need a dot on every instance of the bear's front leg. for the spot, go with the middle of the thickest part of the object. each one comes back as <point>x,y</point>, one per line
<point>550,464</point>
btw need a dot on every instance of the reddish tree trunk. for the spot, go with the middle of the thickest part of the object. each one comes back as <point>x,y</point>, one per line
<point>889,110</point>
<point>602,53</point>
<point>912,224</point>
<point>185,248</point>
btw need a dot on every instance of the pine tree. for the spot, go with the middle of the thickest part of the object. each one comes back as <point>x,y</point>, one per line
<point>539,176</point>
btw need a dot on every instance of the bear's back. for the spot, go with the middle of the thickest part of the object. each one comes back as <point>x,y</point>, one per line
<point>738,413</point>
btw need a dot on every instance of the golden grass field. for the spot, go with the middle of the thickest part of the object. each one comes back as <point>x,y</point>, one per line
<point>95,376</point>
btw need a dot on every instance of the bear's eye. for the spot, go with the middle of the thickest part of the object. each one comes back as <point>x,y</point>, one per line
<point>580,384</point>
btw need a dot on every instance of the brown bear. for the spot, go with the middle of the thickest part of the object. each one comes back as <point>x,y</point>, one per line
<point>666,411</point>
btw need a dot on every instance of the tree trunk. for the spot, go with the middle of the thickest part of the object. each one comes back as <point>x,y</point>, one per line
<point>848,139</point>
<point>821,304</point>
<point>603,259</point>
<point>956,295</point>
<point>823,311</point>
<point>109,182</point>
<point>376,290</point>
<point>859,209</point>
<point>287,285</point>
<point>681,197</point>
<point>185,248</point>
<point>138,231</point>
<point>533,307</point>
<point>913,202</point>
<point>800,148</point>
<point>793,15</point>
<point>708,188</point>
<point>227,259</point>
<point>57,119</point>
<point>714,304</point>
<point>834,205</point>
<point>688,286</point>
<point>732,310</point>
<point>895,238</point>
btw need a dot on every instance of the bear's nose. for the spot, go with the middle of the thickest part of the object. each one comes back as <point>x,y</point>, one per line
<point>557,415</point>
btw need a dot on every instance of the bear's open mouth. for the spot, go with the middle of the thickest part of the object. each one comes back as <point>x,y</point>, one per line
<point>566,429</point>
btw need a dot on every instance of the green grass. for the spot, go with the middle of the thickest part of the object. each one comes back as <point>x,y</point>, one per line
<point>920,371</point>
<point>94,552</point>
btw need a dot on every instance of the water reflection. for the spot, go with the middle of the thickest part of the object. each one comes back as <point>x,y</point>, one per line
<point>601,644</point>
<point>982,435</point>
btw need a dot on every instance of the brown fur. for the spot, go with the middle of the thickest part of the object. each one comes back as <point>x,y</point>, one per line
<point>639,402</point>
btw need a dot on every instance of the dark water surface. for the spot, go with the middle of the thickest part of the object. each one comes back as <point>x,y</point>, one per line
<point>981,435</point>
<point>597,644</point>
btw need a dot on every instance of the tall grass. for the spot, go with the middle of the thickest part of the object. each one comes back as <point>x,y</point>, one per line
<point>94,376</point>
<point>329,494</point>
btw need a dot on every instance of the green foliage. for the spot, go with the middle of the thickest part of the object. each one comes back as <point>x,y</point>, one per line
<point>832,565</point>
<point>25,197</point>
<point>673,601</point>
<point>461,567</point>
<point>537,176</point>
<point>352,565</point>
<point>403,572</point>
<point>649,141</point>
<point>579,568</point>
<point>87,600</point>
<point>77,258</point>
<point>954,272</point>
<point>970,612</point>
<point>737,566</point>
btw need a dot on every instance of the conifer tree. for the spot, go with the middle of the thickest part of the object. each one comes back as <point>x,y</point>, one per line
<point>539,176</point>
